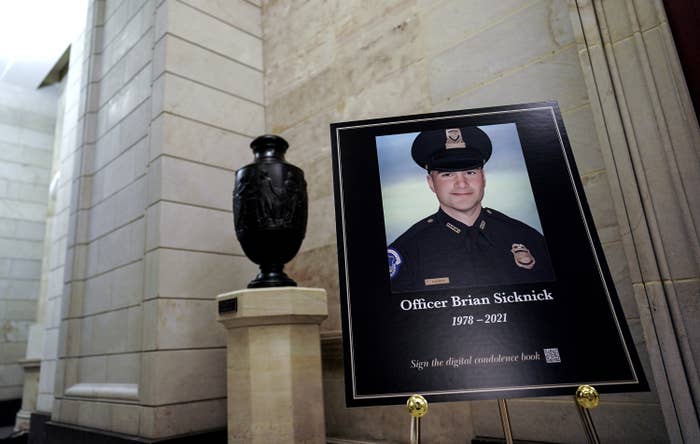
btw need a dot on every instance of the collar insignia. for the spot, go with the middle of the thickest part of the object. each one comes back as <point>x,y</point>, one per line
<point>482,225</point>
<point>522,256</point>
<point>453,228</point>
<point>453,139</point>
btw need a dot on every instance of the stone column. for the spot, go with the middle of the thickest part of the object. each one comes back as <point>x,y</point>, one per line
<point>273,364</point>
<point>649,138</point>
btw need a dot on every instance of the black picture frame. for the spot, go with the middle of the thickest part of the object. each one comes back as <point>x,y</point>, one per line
<point>391,351</point>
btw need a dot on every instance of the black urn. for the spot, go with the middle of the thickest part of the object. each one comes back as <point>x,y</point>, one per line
<point>270,209</point>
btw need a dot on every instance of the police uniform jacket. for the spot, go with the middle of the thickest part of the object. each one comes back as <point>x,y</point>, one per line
<point>441,252</point>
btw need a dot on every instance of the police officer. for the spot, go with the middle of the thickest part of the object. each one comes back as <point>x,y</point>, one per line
<point>463,244</point>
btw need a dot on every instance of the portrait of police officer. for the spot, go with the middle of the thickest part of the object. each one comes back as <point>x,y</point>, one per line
<point>463,244</point>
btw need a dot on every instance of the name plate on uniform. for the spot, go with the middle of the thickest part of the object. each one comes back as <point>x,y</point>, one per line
<point>470,267</point>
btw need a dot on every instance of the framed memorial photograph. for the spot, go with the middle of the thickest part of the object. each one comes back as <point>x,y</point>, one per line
<point>469,264</point>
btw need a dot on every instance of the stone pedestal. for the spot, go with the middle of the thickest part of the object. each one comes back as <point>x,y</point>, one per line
<point>31,365</point>
<point>273,364</point>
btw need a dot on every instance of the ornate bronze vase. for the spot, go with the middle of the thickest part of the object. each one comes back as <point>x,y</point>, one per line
<point>270,209</point>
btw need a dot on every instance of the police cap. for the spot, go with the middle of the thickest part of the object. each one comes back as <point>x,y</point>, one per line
<point>451,149</point>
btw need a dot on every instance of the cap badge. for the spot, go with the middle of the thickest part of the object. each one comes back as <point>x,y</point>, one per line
<point>453,139</point>
<point>453,228</point>
<point>522,256</point>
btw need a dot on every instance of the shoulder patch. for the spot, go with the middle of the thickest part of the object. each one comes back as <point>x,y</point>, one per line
<point>394,262</point>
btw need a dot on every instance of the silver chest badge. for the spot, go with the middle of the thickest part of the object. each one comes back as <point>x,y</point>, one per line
<point>522,256</point>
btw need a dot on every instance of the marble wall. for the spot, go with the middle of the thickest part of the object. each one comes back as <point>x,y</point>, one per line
<point>336,61</point>
<point>171,95</point>
<point>207,107</point>
<point>65,155</point>
<point>27,119</point>
<point>100,93</point>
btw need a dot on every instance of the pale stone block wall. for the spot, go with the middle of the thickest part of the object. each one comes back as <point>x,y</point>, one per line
<point>36,348</point>
<point>27,119</point>
<point>100,323</point>
<point>172,93</point>
<point>69,136</point>
<point>328,61</point>
<point>207,107</point>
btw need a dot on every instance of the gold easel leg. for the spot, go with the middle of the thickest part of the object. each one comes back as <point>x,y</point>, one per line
<point>505,420</point>
<point>415,430</point>
<point>587,398</point>
<point>588,427</point>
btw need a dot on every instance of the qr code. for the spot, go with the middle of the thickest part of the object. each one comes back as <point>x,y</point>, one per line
<point>551,355</point>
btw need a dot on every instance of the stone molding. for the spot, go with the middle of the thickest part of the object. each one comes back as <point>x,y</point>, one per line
<point>30,363</point>
<point>128,392</point>
<point>649,136</point>
<point>332,344</point>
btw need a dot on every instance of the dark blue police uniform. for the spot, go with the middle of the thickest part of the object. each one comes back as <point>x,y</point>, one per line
<point>442,252</point>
